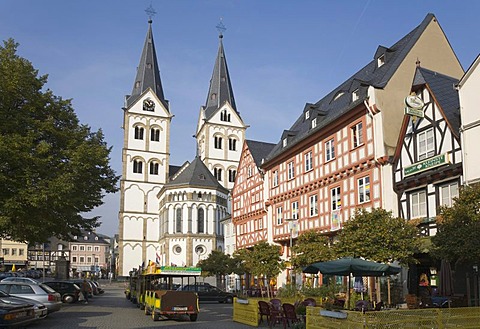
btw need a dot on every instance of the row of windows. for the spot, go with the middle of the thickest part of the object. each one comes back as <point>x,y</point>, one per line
<point>217,172</point>
<point>200,221</point>
<point>87,248</point>
<point>418,199</point>
<point>363,191</point>
<point>13,251</point>
<point>357,140</point>
<point>138,167</point>
<point>154,134</point>
<point>218,141</point>
<point>82,259</point>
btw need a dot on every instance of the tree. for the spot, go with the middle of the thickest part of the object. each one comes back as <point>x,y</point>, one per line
<point>379,237</point>
<point>311,247</point>
<point>262,261</point>
<point>218,264</point>
<point>52,168</point>
<point>458,233</point>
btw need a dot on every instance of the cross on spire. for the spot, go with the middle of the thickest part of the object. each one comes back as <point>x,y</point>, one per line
<point>221,28</point>
<point>150,12</point>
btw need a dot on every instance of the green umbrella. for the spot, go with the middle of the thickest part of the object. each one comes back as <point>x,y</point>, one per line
<point>355,266</point>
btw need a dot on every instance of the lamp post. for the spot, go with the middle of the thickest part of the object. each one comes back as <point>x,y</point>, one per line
<point>292,224</point>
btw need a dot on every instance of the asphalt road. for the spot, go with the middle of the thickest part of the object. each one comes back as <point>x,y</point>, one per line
<point>113,310</point>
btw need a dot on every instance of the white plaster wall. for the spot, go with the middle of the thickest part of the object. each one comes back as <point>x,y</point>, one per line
<point>132,227</point>
<point>132,257</point>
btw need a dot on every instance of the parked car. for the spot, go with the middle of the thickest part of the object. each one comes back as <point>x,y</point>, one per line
<point>79,282</point>
<point>209,293</point>
<point>69,291</point>
<point>100,289</point>
<point>41,310</point>
<point>39,292</point>
<point>14,315</point>
<point>20,279</point>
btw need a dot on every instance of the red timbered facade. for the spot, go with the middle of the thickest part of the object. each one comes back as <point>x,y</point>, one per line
<point>249,213</point>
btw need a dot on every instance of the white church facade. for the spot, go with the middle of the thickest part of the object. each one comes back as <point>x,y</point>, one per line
<point>171,214</point>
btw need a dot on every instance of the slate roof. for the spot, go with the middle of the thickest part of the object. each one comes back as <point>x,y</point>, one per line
<point>90,238</point>
<point>259,150</point>
<point>443,88</point>
<point>148,72</point>
<point>220,85</point>
<point>339,101</point>
<point>172,170</point>
<point>195,174</point>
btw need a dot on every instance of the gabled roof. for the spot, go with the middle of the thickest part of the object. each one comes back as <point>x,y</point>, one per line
<point>259,150</point>
<point>195,174</point>
<point>220,85</point>
<point>469,71</point>
<point>148,72</point>
<point>172,170</point>
<point>443,89</point>
<point>339,101</point>
<point>444,93</point>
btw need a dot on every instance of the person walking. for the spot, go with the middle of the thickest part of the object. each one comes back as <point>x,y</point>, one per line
<point>85,290</point>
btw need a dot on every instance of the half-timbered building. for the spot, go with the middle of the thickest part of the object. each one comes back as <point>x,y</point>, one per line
<point>334,158</point>
<point>428,161</point>
<point>249,211</point>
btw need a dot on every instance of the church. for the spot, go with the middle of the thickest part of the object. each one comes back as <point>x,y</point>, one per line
<point>172,214</point>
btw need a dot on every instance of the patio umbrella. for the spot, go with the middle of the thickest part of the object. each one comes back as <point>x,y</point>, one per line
<point>446,279</point>
<point>352,266</point>
<point>13,268</point>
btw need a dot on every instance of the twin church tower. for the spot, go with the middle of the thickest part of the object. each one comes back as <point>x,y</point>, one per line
<point>171,214</point>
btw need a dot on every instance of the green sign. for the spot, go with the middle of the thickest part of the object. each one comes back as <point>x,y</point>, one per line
<point>414,112</point>
<point>426,164</point>
<point>172,270</point>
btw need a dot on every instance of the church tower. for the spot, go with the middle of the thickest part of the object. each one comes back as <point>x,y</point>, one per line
<point>220,129</point>
<point>145,159</point>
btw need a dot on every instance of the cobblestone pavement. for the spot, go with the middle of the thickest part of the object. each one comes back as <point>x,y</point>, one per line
<point>113,310</point>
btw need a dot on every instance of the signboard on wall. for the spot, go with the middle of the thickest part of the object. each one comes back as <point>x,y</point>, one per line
<point>426,164</point>
<point>335,221</point>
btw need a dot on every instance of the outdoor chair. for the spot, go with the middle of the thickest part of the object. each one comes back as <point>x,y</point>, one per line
<point>264,310</point>
<point>290,314</point>
<point>309,302</point>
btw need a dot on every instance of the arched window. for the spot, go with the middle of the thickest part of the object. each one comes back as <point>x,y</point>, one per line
<point>218,142</point>
<point>232,144</point>
<point>231,175</point>
<point>201,220</point>
<point>178,221</point>
<point>137,166</point>
<point>138,132</point>
<point>154,168</point>
<point>224,116</point>
<point>155,135</point>
<point>217,172</point>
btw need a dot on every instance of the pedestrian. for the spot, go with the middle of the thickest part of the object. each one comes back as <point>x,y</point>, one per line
<point>85,290</point>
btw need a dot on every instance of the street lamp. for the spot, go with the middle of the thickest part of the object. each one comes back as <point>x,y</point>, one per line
<point>292,224</point>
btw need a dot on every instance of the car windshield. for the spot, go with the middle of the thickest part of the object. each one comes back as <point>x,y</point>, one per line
<point>3,294</point>
<point>46,288</point>
<point>76,287</point>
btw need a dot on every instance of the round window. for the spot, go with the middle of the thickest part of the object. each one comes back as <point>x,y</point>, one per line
<point>177,249</point>
<point>200,250</point>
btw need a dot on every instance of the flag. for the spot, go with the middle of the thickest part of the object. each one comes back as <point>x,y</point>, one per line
<point>158,258</point>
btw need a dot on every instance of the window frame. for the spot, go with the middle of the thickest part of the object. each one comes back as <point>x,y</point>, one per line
<point>155,134</point>
<point>335,198</point>
<point>308,161</point>
<point>291,170</point>
<point>294,210</point>
<point>313,206</point>
<point>417,213</point>
<point>364,189</point>
<point>279,214</point>
<point>218,141</point>
<point>330,150</point>
<point>357,134</point>
<point>441,197</point>
<point>275,178</point>
<point>422,137</point>
<point>138,132</point>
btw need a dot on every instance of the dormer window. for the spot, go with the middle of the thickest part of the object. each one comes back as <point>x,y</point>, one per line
<point>381,60</point>
<point>307,115</point>
<point>213,97</point>
<point>85,238</point>
<point>338,95</point>
<point>314,122</point>
<point>284,142</point>
<point>355,95</point>
<point>96,238</point>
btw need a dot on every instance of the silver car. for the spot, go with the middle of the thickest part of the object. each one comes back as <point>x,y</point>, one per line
<point>39,292</point>
<point>40,309</point>
<point>20,279</point>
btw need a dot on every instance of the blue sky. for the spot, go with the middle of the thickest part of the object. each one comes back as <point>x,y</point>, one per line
<point>281,55</point>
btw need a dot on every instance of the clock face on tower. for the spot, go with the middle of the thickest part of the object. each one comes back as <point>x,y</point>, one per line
<point>148,105</point>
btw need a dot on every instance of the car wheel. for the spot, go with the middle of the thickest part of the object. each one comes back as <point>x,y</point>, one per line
<point>229,300</point>
<point>68,299</point>
<point>193,317</point>
<point>155,316</point>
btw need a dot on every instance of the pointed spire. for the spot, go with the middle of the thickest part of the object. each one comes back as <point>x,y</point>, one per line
<point>220,89</point>
<point>148,71</point>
